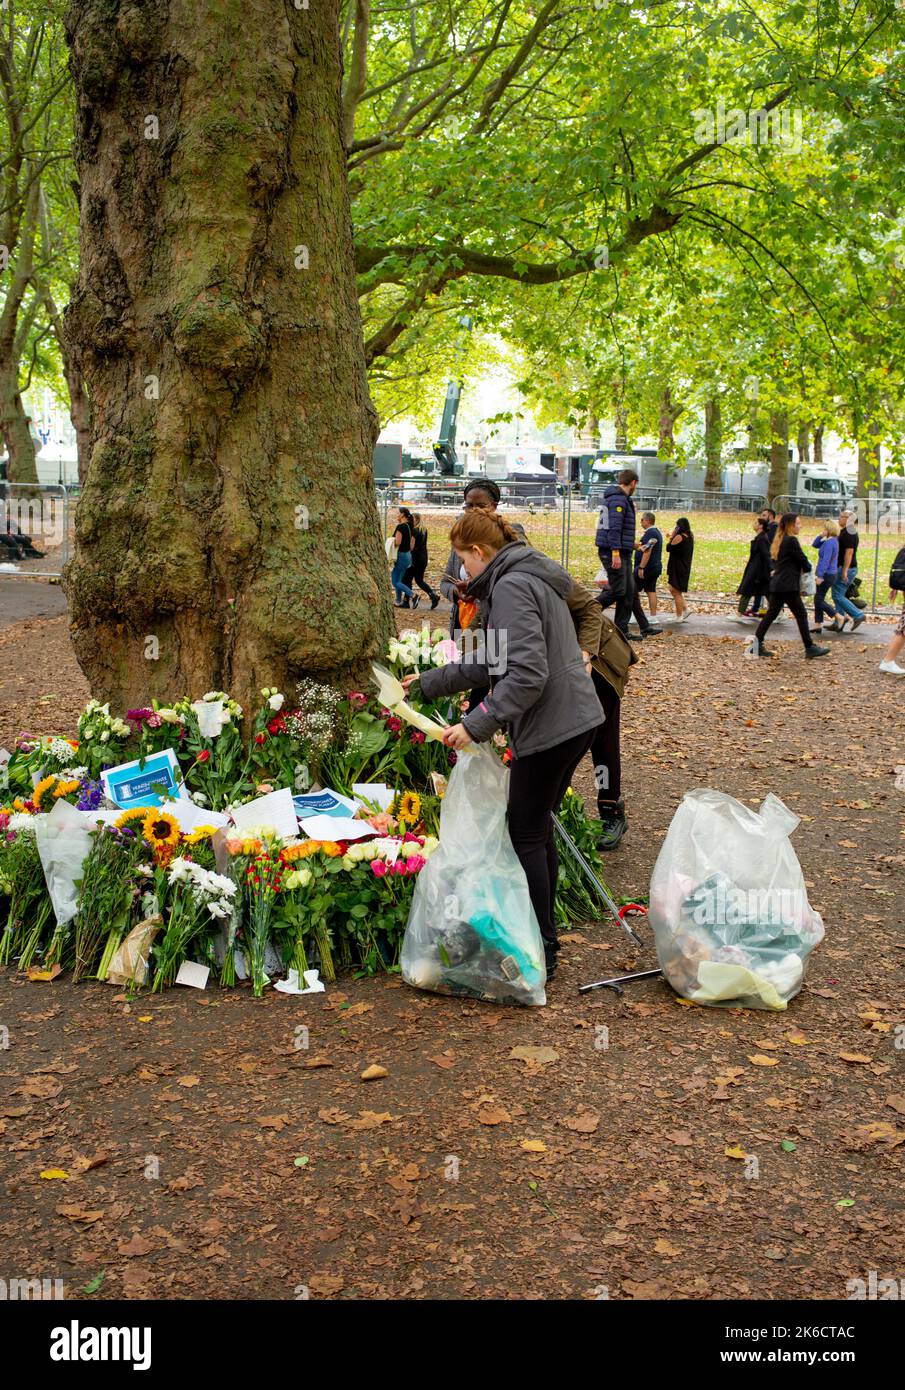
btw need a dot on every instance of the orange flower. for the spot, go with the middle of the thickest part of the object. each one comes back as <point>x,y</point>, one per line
<point>330,848</point>
<point>302,850</point>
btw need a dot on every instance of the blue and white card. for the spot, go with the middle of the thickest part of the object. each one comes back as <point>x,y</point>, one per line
<point>132,784</point>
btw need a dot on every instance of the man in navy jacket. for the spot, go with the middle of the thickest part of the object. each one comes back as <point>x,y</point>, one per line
<point>615,542</point>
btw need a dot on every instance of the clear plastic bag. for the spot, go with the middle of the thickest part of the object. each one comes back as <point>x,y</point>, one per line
<point>728,905</point>
<point>472,929</point>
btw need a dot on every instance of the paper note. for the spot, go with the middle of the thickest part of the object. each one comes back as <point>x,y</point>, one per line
<point>324,803</point>
<point>193,974</point>
<point>274,810</point>
<point>332,828</point>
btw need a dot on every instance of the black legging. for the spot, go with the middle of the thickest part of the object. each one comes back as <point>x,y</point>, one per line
<point>792,599</point>
<point>537,785</point>
<point>605,751</point>
<point>416,574</point>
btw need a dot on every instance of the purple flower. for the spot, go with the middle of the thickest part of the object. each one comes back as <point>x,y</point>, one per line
<point>91,794</point>
<point>452,757</point>
<point>138,716</point>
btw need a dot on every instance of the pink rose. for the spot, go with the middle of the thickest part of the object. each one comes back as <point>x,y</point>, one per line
<point>154,721</point>
<point>399,867</point>
<point>357,699</point>
<point>379,867</point>
<point>415,862</point>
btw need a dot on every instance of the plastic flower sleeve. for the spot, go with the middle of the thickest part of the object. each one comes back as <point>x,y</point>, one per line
<point>391,695</point>
<point>64,839</point>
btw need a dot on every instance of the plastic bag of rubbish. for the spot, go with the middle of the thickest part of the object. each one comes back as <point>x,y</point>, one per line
<point>728,905</point>
<point>472,929</point>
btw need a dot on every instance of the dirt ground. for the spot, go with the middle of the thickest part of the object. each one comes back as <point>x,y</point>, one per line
<point>219,1146</point>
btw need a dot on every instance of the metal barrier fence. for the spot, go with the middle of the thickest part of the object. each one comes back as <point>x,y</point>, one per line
<point>42,515</point>
<point>881,531</point>
<point>686,499</point>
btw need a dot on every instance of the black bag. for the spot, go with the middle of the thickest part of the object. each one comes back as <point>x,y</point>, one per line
<point>897,573</point>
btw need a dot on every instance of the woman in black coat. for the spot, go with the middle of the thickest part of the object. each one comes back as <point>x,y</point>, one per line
<point>678,565</point>
<point>756,579</point>
<point>789,564</point>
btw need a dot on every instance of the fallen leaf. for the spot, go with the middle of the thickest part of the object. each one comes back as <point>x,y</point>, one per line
<point>680,1137</point>
<point>39,1088</point>
<point>897,1103</point>
<point>787,1146</point>
<point>301,1161</point>
<point>535,1056</point>
<point>34,973</point>
<point>326,1284</point>
<point>666,1247</point>
<point>356,1009</point>
<point>137,1245</point>
<point>735,1152</point>
<point>277,1122</point>
<point>188,1081</point>
<point>534,1146</point>
<point>370,1119</point>
<point>94,1284</point>
<point>494,1115</point>
<point>444,1062</point>
<point>616,1238</point>
<point>83,1165</point>
<point>757,1059</point>
<point>585,1123</point>
<point>854,1057</point>
<point>314,1062</point>
<point>50,1173</point>
<point>374,1073</point>
<point>85,1218</point>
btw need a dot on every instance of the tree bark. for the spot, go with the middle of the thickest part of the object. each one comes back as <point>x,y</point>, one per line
<point>868,461</point>
<point>778,482</point>
<point>818,444</point>
<point>669,414</point>
<point>227,536</point>
<point>713,443</point>
<point>14,329</point>
<point>803,441</point>
<point>621,440</point>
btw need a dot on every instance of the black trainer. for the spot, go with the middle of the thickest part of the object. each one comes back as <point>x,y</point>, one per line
<point>652,630</point>
<point>435,599</point>
<point>814,650</point>
<point>612,823</point>
<point>551,950</point>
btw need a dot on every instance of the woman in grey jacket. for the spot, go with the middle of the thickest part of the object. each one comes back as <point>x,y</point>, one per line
<point>540,691</point>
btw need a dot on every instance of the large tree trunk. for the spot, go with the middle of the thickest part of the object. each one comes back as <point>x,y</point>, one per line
<point>803,441</point>
<point>713,443</point>
<point>668,415</point>
<point>868,461</point>
<point>778,482</point>
<point>229,510</point>
<point>14,427</point>
<point>818,444</point>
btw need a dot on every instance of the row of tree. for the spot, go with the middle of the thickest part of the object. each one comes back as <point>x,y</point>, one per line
<point>666,208</point>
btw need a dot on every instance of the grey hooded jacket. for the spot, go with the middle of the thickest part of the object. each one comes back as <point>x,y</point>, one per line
<point>540,691</point>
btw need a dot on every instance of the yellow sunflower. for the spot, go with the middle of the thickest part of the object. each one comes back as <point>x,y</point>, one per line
<point>64,788</point>
<point>409,812</point>
<point>160,828</point>
<point>203,832</point>
<point>43,786</point>
<point>134,813</point>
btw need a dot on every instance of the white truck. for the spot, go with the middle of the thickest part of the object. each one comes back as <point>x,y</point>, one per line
<point>816,490</point>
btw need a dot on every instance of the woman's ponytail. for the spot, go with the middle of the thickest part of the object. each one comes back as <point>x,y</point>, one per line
<point>485,529</point>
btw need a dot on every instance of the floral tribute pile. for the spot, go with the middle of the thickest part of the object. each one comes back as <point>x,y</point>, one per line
<point>246,903</point>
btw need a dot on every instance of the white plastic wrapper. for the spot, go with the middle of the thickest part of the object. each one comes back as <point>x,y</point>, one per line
<point>728,905</point>
<point>63,838</point>
<point>472,929</point>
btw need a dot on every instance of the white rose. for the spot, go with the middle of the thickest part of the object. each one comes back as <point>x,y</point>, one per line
<point>105,736</point>
<point>276,701</point>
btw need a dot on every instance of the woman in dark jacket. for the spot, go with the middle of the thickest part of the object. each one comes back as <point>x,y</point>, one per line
<point>789,564</point>
<point>419,562</point>
<point>678,567</point>
<point>756,579</point>
<point>537,689</point>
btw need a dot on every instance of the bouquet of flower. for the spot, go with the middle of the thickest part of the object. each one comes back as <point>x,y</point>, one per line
<point>263,877</point>
<point>22,882</point>
<point>195,898</point>
<point>107,894</point>
<point>102,737</point>
<point>210,742</point>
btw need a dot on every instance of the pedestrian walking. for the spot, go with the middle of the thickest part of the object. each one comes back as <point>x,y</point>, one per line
<point>789,564</point>
<point>896,588</point>
<point>755,583</point>
<point>402,548</point>
<point>615,541</point>
<point>648,568</point>
<point>847,573</point>
<point>827,546</point>
<point>678,567</point>
<point>419,563</point>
